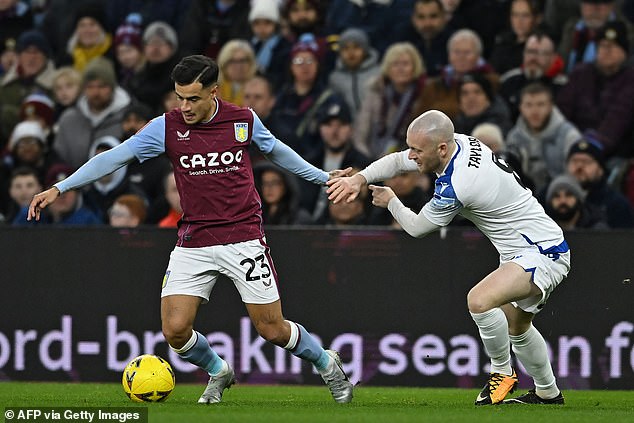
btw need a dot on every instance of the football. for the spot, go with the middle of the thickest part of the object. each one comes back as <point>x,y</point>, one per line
<point>148,378</point>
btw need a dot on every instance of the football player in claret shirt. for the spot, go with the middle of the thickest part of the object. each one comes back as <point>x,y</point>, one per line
<point>220,232</point>
<point>534,256</point>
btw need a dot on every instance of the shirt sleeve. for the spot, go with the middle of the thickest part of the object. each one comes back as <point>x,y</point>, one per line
<point>149,141</point>
<point>262,137</point>
<point>417,225</point>
<point>284,156</point>
<point>389,166</point>
<point>101,165</point>
<point>444,205</point>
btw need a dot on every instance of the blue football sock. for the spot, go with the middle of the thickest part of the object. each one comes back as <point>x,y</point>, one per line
<point>304,346</point>
<point>198,351</point>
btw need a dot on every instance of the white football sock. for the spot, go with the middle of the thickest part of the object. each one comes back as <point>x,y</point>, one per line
<point>494,333</point>
<point>530,349</point>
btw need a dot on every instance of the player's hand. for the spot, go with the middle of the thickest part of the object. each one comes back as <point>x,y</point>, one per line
<point>339,173</point>
<point>381,195</point>
<point>40,201</point>
<point>346,188</point>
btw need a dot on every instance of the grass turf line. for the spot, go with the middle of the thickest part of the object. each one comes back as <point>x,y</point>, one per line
<point>256,403</point>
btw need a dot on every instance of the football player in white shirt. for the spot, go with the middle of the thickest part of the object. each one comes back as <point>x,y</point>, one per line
<point>534,257</point>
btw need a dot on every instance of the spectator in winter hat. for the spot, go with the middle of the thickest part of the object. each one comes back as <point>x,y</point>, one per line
<point>599,96</point>
<point>335,149</point>
<point>307,17</point>
<point>356,66</point>
<point>565,203</point>
<point>33,72</point>
<point>266,10</point>
<point>152,82</point>
<point>586,163</point>
<point>90,39</point>
<point>271,48</point>
<point>478,104</point>
<point>613,34</point>
<point>27,133</point>
<point>128,45</point>
<point>40,108</point>
<point>580,33</point>
<point>33,39</point>
<point>28,147</point>
<point>98,112</point>
<point>302,97</point>
<point>160,41</point>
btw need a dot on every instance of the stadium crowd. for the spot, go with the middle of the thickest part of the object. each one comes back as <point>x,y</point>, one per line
<point>548,85</point>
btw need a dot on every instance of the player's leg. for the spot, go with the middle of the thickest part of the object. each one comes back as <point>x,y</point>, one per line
<point>251,268</point>
<point>177,314</point>
<point>528,344</point>
<point>189,279</point>
<point>271,325</point>
<point>506,283</point>
<point>530,349</point>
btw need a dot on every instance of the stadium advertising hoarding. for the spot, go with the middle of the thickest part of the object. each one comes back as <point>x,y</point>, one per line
<point>78,304</point>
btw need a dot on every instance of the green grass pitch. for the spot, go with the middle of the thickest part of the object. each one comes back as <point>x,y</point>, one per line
<point>272,404</point>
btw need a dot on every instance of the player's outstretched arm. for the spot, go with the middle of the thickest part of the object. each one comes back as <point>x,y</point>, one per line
<point>101,165</point>
<point>417,225</point>
<point>285,157</point>
<point>380,170</point>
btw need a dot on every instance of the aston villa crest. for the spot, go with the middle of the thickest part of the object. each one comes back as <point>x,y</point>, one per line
<point>241,131</point>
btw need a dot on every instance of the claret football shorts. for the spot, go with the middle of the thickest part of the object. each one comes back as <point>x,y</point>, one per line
<point>194,271</point>
<point>548,272</point>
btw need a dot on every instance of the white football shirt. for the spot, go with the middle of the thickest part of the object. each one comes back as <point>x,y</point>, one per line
<point>482,188</point>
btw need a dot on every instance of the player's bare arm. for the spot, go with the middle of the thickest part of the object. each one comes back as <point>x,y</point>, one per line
<point>40,201</point>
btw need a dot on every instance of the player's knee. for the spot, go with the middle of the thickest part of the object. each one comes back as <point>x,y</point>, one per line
<point>272,332</point>
<point>517,328</point>
<point>476,302</point>
<point>177,334</point>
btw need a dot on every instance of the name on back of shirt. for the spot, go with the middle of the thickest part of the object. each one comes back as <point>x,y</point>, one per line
<point>475,153</point>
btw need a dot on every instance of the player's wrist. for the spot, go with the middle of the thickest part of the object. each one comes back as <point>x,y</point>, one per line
<point>359,179</point>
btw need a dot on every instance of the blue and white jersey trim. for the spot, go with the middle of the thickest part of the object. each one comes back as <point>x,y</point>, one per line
<point>445,197</point>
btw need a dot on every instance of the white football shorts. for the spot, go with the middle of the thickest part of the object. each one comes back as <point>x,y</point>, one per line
<point>547,274</point>
<point>194,271</point>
